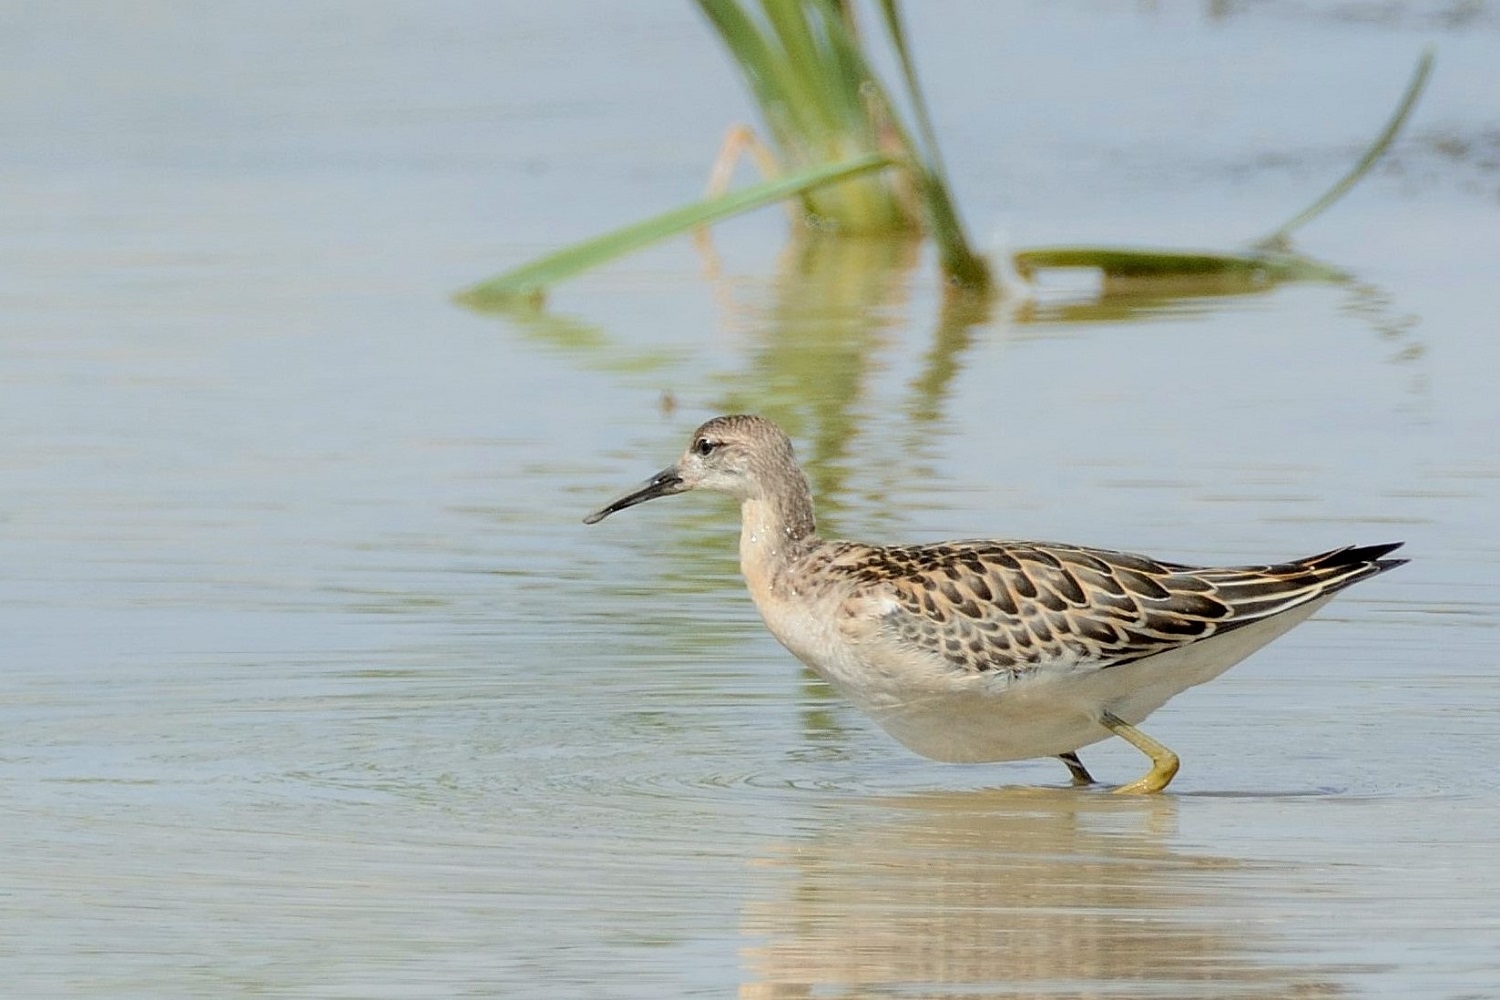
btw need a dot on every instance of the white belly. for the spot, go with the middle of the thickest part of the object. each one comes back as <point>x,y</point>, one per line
<point>987,717</point>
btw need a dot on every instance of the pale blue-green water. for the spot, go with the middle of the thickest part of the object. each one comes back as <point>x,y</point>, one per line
<point>313,684</point>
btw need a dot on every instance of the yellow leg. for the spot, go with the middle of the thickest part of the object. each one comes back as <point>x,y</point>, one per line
<point>1080,773</point>
<point>1164,763</point>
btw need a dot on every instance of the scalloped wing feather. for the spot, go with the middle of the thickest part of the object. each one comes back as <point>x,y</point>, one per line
<point>1014,606</point>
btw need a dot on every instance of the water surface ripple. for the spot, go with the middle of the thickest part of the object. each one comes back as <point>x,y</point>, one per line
<point>314,685</point>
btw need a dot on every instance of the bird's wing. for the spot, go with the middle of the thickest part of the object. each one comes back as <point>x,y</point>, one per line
<point>1011,606</point>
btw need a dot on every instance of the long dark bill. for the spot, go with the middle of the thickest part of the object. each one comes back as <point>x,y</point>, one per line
<point>663,484</point>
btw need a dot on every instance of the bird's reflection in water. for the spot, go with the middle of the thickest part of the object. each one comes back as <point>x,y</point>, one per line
<point>1012,893</point>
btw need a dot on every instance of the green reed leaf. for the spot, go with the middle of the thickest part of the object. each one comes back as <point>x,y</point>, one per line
<point>1279,237</point>
<point>530,281</point>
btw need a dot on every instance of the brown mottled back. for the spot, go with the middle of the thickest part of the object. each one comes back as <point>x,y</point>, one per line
<point>990,605</point>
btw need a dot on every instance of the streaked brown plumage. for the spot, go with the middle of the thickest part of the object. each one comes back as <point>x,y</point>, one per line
<point>993,650</point>
<point>1013,606</point>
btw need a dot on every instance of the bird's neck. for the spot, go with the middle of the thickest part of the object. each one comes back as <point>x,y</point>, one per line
<point>775,530</point>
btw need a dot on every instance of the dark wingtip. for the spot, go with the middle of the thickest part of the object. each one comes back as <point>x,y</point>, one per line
<point>1355,555</point>
<point>1353,563</point>
<point>1372,553</point>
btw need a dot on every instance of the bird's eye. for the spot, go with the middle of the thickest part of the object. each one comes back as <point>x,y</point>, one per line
<point>703,446</point>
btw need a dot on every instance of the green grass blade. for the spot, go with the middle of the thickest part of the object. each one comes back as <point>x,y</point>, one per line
<point>845,71</point>
<point>896,29</point>
<point>1377,149</point>
<point>822,102</point>
<point>530,281</point>
<point>1136,263</point>
<point>779,57</point>
<point>959,261</point>
<point>749,48</point>
<point>789,21</point>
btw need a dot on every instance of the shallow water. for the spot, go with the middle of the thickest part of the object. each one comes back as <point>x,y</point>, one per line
<point>314,684</point>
